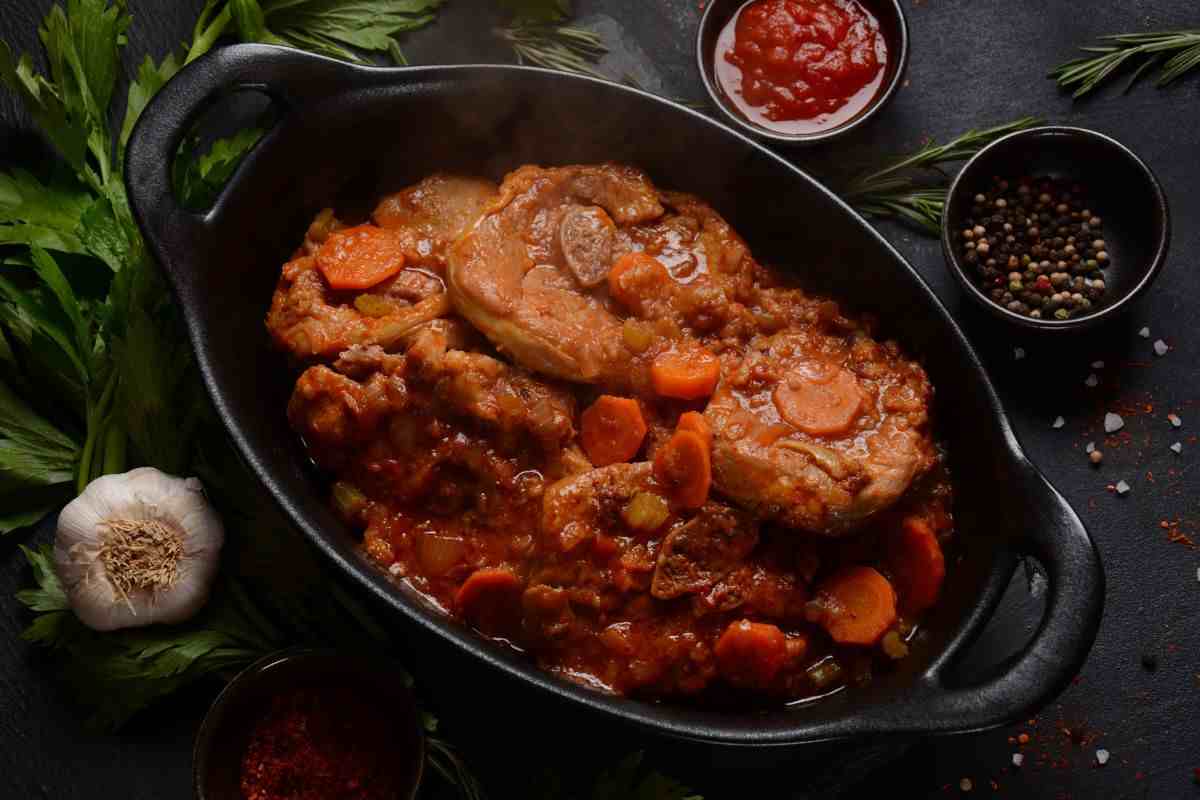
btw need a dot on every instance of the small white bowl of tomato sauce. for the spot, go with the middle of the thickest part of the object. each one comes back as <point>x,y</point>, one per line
<point>801,71</point>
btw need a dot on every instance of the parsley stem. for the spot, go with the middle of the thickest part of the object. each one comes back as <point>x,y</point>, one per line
<point>96,417</point>
<point>206,33</point>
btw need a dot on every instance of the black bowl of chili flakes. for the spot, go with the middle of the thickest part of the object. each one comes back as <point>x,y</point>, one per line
<point>1055,228</point>
<point>311,725</point>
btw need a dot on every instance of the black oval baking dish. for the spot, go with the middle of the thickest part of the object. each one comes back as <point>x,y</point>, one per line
<point>347,134</point>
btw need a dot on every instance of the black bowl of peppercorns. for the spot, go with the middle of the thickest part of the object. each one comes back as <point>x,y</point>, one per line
<point>1055,228</point>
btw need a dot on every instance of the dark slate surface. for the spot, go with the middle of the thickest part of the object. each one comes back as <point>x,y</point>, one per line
<point>974,62</point>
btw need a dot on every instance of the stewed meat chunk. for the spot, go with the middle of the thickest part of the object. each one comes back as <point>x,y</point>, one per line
<point>820,431</point>
<point>701,551</point>
<point>575,413</point>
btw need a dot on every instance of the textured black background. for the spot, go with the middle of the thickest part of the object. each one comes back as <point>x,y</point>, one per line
<point>974,62</point>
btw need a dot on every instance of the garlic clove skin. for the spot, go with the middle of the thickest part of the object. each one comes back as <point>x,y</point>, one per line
<point>143,495</point>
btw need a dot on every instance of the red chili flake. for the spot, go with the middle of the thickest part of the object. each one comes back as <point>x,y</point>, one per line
<point>1196,774</point>
<point>321,743</point>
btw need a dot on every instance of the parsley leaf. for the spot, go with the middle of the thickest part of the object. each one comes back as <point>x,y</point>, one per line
<point>149,79</point>
<point>83,50</point>
<point>41,99</point>
<point>45,318</point>
<point>199,180</point>
<point>51,453</point>
<point>43,214</point>
<point>630,780</point>
<point>119,673</point>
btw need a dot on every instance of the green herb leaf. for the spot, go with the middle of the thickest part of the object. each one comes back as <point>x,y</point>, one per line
<point>149,79</point>
<point>1125,49</point>
<point>48,594</point>
<point>46,322</point>
<point>121,672</point>
<point>333,27</point>
<point>48,270</point>
<point>83,49</point>
<point>559,47</point>
<point>911,188</point>
<point>37,463</point>
<point>65,131</point>
<point>198,181</point>
<point>102,235</point>
<point>41,365</point>
<point>43,214</point>
<point>158,397</point>
<point>16,520</point>
<point>628,779</point>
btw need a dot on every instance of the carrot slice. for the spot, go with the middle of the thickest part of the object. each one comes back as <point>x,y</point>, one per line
<point>360,257</point>
<point>684,467</point>
<point>695,422</point>
<point>750,654</point>
<point>612,430</point>
<point>858,605</point>
<point>820,400</point>
<point>634,278</point>
<point>689,375</point>
<point>490,599</point>
<point>916,562</point>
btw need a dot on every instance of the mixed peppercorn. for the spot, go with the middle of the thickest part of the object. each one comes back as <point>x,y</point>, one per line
<point>1036,247</point>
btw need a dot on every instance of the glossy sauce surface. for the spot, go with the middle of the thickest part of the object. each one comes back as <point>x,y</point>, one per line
<point>766,537</point>
<point>801,66</point>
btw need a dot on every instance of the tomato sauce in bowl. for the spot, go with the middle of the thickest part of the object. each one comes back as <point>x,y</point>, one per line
<point>801,66</point>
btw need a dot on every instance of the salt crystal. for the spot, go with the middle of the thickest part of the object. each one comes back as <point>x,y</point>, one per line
<point>1160,347</point>
<point>1144,333</point>
<point>1177,448</point>
<point>1097,365</point>
<point>1018,759</point>
<point>1197,574</point>
<point>1018,353</point>
<point>1058,422</point>
<point>1174,420</point>
<point>1113,422</point>
<point>1102,756</point>
<point>1091,381</point>
<point>1090,447</point>
<point>1122,487</point>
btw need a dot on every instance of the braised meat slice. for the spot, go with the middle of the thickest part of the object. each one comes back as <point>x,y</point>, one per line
<point>699,552</point>
<point>820,430</point>
<point>431,214</point>
<point>510,277</point>
<point>505,398</point>
<point>313,321</point>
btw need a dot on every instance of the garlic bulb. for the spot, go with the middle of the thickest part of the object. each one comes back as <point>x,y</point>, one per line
<point>138,548</point>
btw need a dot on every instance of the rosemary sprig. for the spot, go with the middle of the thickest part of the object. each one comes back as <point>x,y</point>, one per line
<point>555,46</point>
<point>912,188</point>
<point>1122,49</point>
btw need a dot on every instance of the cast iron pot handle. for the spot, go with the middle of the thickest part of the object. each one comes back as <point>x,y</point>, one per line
<point>290,77</point>
<point>1049,530</point>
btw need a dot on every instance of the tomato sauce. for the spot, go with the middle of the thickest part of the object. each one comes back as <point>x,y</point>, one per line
<point>730,550</point>
<point>801,66</point>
